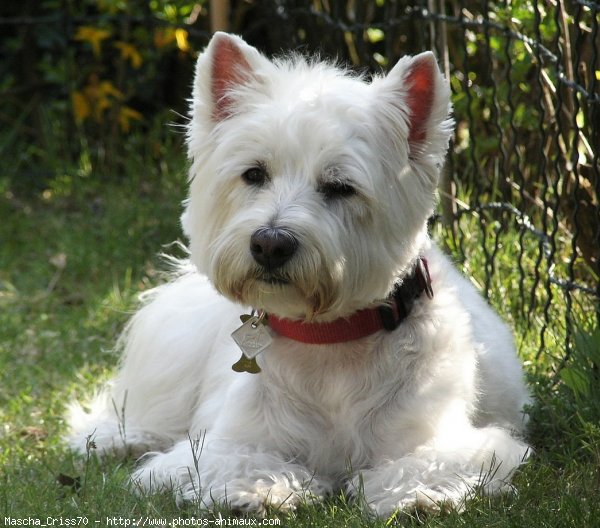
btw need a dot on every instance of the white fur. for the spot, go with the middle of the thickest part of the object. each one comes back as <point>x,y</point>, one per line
<point>421,416</point>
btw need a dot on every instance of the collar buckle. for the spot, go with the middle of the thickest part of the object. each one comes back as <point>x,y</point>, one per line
<point>403,296</point>
<point>424,277</point>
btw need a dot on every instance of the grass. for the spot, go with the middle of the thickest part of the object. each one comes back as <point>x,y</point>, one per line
<point>73,258</point>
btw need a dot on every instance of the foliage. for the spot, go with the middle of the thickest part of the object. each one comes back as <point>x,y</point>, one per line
<point>119,46</point>
<point>103,70</point>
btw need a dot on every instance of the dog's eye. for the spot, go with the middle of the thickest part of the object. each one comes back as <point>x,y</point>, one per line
<point>255,176</point>
<point>336,189</point>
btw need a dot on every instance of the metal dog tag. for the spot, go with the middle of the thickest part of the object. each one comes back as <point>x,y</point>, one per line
<point>252,337</point>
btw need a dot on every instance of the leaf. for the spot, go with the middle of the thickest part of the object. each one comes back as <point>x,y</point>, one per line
<point>130,53</point>
<point>126,114</point>
<point>576,380</point>
<point>70,482</point>
<point>588,345</point>
<point>59,260</point>
<point>375,35</point>
<point>181,37</point>
<point>81,106</point>
<point>93,35</point>
<point>106,88</point>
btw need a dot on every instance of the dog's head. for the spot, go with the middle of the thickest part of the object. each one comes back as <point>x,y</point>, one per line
<point>310,187</point>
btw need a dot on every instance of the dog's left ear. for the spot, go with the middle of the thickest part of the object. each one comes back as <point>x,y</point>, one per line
<point>226,65</point>
<point>417,97</point>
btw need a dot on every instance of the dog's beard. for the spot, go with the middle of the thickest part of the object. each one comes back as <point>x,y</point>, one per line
<point>297,291</point>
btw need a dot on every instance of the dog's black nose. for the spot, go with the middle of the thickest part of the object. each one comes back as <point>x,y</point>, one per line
<point>272,247</point>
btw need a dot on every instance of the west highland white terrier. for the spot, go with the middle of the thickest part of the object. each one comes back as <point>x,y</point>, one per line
<point>368,363</point>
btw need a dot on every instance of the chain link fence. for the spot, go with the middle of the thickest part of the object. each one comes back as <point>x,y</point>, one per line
<point>523,177</point>
<point>524,168</point>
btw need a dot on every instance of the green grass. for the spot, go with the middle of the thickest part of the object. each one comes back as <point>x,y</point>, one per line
<point>73,259</point>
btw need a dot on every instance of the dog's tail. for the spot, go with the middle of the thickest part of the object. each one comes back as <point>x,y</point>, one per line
<point>100,427</point>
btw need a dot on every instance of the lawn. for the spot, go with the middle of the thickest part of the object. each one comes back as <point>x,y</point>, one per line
<point>74,256</point>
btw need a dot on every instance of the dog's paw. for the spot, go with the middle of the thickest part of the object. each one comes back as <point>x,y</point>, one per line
<point>258,497</point>
<point>427,501</point>
<point>255,495</point>
<point>431,501</point>
<point>262,499</point>
<point>145,481</point>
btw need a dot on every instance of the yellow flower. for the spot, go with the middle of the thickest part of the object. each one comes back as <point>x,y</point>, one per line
<point>81,106</point>
<point>107,88</point>
<point>95,98</point>
<point>127,113</point>
<point>181,36</point>
<point>129,52</point>
<point>93,35</point>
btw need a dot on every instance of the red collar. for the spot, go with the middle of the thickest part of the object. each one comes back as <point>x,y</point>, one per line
<point>363,322</point>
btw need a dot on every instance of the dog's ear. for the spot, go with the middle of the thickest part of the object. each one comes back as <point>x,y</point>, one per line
<point>227,64</point>
<point>420,97</point>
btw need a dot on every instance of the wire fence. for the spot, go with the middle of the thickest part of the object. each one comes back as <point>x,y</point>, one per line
<point>524,169</point>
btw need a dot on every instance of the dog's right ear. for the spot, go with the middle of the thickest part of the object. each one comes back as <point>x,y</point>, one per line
<point>227,64</point>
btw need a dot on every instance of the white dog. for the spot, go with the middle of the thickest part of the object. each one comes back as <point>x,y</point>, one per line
<point>373,365</point>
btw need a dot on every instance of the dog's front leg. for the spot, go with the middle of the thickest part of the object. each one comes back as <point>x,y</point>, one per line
<point>443,473</point>
<point>236,463</point>
<point>242,477</point>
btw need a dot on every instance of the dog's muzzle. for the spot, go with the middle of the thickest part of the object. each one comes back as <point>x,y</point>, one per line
<point>272,247</point>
